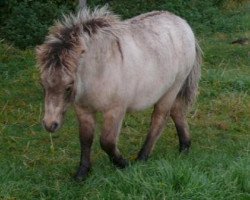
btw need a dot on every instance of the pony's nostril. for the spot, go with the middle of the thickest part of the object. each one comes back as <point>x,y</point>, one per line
<point>54,126</point>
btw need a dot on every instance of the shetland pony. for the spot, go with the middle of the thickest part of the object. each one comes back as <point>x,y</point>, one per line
<point>100,63</point>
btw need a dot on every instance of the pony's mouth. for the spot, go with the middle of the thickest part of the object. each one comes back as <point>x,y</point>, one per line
<point>52,127</point>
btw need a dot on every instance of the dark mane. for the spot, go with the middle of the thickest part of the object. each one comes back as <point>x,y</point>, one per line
<point>91,27</point>
<point>63,42</point>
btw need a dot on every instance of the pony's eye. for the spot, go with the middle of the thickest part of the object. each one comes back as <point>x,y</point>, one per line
<point>68,89</point>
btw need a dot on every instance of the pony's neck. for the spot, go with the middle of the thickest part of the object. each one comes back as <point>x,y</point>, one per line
<point>101,51</point>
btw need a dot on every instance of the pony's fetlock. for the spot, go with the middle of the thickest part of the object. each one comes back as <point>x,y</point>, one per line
<point>120,162</point>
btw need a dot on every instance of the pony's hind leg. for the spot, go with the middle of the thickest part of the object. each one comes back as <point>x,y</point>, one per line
<point>87,125</point>
<point>178,114</point>
<point>157,124</point>
<point>158,119</point>
<point>109,136</point>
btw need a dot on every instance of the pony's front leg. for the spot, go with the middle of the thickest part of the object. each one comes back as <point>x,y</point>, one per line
<point>86,134</point>
<point>111,129</point>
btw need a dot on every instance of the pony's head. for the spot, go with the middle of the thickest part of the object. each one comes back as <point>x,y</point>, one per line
<point>58,59</point>
<point>59,56</point>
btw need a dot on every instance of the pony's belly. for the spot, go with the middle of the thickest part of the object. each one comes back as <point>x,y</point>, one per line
<point>150,88</point>
<point>136,106</point>
<point>143,101</point>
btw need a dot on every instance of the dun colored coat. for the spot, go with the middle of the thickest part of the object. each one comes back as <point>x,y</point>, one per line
<point>102,64</point>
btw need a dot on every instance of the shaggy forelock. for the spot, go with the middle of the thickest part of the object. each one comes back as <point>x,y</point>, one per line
<point>63,44</point>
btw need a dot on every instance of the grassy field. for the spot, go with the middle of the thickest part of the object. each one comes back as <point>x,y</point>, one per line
<point>37,165</point>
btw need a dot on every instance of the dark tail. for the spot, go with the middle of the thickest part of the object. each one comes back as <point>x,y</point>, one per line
<point>189,90</point>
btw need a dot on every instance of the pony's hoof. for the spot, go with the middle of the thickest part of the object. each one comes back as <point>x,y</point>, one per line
<point>142,157</point>
<point>184,150</point>
<point>184,147</point>
<point>120,163</point>
<point>82,174</point>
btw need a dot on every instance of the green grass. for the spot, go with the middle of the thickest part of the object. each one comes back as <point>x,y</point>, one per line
<point>37,165</point>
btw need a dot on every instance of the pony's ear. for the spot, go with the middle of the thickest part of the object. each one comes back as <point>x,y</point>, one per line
<point>38,50</point>
<point>40,54</point>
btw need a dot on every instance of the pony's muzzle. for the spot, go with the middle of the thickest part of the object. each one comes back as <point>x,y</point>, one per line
<point>51,127</point>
